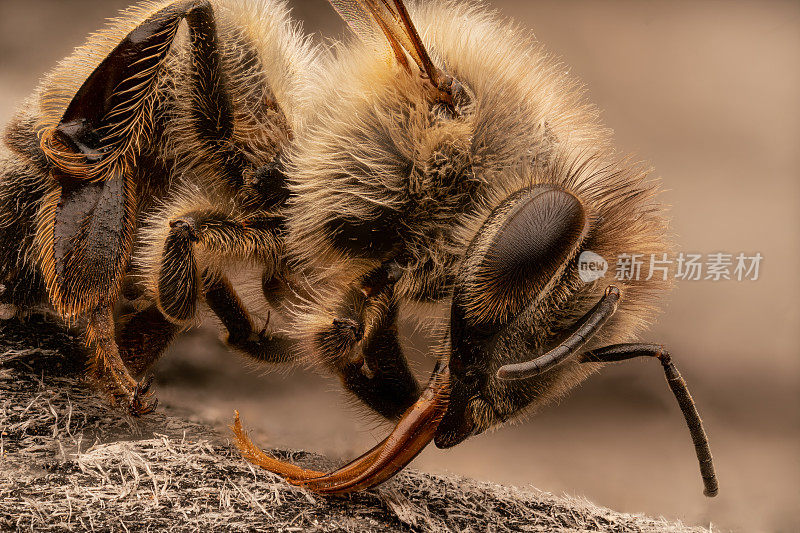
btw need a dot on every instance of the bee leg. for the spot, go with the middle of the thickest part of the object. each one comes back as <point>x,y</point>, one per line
<point>84,252</point>
<point>363,347</point>
<point>144,337</point>
<point>84,258</point>
<point>226,304</point>
<point>334,341</point>
<point>383,381</point>
<point>86,223</point>
<point>88,219</point>
<point>108,367</point>
<point>178,282</point>
<point>181,279</point>
<point>623,352</point>
<point>91,146</point>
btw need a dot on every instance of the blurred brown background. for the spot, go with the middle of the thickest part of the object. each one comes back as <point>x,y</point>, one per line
<point>708,91</point>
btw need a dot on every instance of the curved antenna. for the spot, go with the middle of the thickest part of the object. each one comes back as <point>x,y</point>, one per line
<point>623,352</point>
<point>585,328</point>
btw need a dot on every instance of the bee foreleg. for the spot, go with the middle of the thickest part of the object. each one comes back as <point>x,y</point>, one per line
<point>362,346</point>
<point>355,313</point>
<point>384,380</point>
<point>333,340</point>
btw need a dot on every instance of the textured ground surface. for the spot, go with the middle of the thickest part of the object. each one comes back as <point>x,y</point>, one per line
<point>67,462</point>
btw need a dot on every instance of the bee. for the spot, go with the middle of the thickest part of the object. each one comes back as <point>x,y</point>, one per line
<point>143,167</point>
<point>452,159</point>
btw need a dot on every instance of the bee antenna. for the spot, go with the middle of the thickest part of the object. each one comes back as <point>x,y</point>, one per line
<point>585,328</point>
<point>623,352</point>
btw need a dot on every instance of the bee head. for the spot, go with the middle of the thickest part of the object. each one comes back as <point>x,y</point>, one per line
<point>519,299</point>
<point>511,269</point>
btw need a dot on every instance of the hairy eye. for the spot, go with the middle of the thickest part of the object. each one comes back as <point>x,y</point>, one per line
<point>523,245</point>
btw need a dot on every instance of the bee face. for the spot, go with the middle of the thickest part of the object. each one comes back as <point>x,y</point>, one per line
<point>518,293</point>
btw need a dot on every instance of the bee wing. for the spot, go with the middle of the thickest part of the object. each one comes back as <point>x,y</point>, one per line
<point>370,19</point>
<point>370,28</point>
<point>359,19</point>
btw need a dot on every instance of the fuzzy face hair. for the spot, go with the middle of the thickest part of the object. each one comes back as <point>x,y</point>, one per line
<point>385,174</point>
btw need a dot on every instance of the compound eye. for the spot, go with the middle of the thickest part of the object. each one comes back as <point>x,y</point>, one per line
<point>519,252</point>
